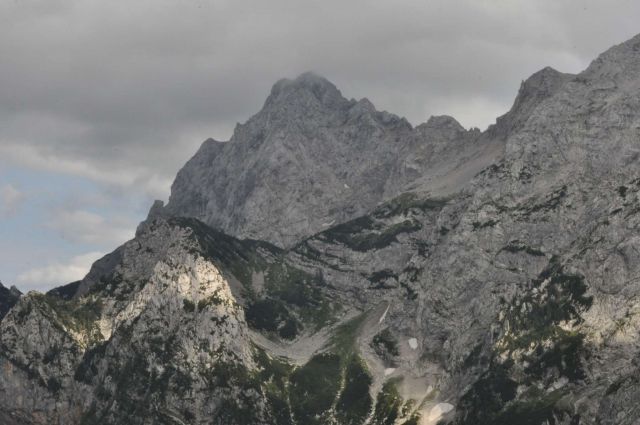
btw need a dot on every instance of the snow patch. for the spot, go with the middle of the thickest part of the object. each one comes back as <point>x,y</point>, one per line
<point>384,314</point>
<point>438,410</point>
<point>413,343</point>
<point>388,371</point>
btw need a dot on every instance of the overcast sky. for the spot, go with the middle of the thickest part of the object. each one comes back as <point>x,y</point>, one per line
<point>101,102</point>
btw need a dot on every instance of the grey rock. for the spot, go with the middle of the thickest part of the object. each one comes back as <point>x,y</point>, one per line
<point>311,158</point>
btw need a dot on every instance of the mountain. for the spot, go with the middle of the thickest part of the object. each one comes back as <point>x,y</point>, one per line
<point>463,277</point>
<point>311,158</point>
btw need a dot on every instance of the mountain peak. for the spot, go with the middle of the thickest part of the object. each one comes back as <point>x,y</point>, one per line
<point>619,63</point>
<point>303,85</point>
<point>534,90</point>
<point>443,121</point>
<point>310,78</point>
<point>541,84</point>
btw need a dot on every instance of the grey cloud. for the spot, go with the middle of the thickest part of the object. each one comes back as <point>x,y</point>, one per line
<point>87,227</point>
<point>123,93</point>
<point>42,278</point>
<point>10,200</point>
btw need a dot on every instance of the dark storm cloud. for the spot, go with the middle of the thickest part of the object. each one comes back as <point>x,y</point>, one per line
<point>123,92</point>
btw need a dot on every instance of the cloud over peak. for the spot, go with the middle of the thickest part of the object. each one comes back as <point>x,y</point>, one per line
<point>124,94</point>
<point>91,228</point>
<point>57,273</point>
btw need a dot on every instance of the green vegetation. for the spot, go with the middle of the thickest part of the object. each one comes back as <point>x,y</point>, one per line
<point>410,275</point>
<point>306,250</point>
<point>128,380</point>
<point>564,356</point>
<point>133,383</point>
<point>241,258</point>
<point>343,232</point>
<point>560,298</point>
<point>516,247</point>
<point>385,345</point>
<point>332,384</point>
<point>293,286</point>
<point>272,316</point>
<point>388,404</point>
<point>406,202</point>
<point>270,380</point>
<point>293,300</point>
<point>314,387</point>
<point>213,299</point>
<point>388,235</point>
<point>551,203</point>
<point>534,411</point>
<point>545,351</point>
<point>364,234</point>
<point>482,225</point>
<point>413,420</point>
<point>79,316</point>
<point>488,396</point>
<point>231,375</point>
<point>309,392</point>
<point>237,411</point>
<point>335,382</point>
<point>475,357</point>
<point>87,368</point>
<point>379,277</point>
<point>272,369</point>
<point>188,305</point>
<point>53,385</point>
<point>344,337</point>
<point>617,385</point>
<point>622,191</point>
<point>355,402</point>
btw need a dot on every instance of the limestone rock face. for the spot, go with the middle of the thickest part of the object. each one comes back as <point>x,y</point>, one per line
<point>311,158</point>
<point>162,317</point>
<point>441,276</point>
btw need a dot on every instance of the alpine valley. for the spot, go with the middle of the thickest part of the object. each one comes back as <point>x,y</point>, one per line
<point>333,264</point>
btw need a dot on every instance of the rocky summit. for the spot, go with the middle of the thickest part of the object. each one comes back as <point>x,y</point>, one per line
<point>332,264</point>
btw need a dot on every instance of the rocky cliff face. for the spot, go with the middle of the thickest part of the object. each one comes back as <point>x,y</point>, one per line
<point>311,158</point>
<point>468,278</point>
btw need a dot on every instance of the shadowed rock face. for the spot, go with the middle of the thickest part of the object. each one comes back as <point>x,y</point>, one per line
<point>8,298</point>
<point>463,277</point>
